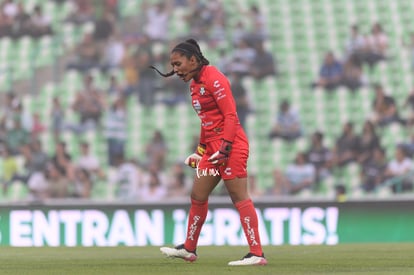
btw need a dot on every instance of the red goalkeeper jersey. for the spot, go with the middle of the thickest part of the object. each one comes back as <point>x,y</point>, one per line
<point>213,101</point>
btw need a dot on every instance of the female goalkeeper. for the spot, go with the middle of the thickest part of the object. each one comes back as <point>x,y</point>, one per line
<point>221,154</point>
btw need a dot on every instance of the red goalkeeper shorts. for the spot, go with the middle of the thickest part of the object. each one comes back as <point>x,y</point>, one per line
<point>236,165</point>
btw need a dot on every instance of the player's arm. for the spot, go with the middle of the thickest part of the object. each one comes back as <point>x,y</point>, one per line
<point>223,96</point>
<point>193,159</point>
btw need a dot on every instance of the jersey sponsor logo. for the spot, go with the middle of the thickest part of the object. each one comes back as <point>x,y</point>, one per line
<point>221,96</point>
<point>193,227</point>
<point>197,105</point>
<point>219,91</point>
<point>216,84</point>
<point>251,238</point>
<point>207,172</point>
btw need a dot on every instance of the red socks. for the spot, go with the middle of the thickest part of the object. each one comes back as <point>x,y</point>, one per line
<point>197,216</point>
<point>248,219</point>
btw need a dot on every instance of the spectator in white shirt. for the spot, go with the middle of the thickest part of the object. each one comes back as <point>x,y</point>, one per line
<point>10,8</point>
<point>377,45</point>
<point>38,186</point>
<point>399,171</point>
<point>154,185</point>
<point>41,24</point>
<point>127,179</point>
<point>113,53</point>
<point>355,44</point>
<point>242,58</point>
<point>298,176</point>
<point>157,18</point>
<point>89,161</point>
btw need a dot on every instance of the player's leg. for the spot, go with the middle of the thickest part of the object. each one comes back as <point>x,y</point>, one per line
<point>235,177</point>
<point>202,187</point>
<point>238,191</point>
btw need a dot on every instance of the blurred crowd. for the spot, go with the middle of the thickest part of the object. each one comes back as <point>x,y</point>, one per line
<point>319,162</point>
<point>16,21</point>
<point>123,58</point>
<point>360,55</point>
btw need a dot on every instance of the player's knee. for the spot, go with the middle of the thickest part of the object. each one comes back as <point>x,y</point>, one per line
<point>199,197</point>
<point>237,194</point>
<point>238,198</point>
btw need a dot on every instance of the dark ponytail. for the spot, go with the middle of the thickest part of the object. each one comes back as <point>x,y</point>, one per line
<point>162,74</point>
<point>188,48</point>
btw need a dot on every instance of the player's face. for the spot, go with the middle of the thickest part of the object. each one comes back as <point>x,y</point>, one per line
<point>183,66</point>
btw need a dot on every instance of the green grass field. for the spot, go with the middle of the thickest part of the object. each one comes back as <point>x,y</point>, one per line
<point>341,259</point>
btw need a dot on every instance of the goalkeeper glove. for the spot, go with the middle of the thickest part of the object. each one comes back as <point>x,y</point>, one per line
<point>193,159</point>
<point>220,157</point>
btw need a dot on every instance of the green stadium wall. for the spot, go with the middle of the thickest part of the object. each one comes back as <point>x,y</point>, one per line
<point>309,223</point>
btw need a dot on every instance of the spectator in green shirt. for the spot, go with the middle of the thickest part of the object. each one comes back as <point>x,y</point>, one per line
<point>16,138</point>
